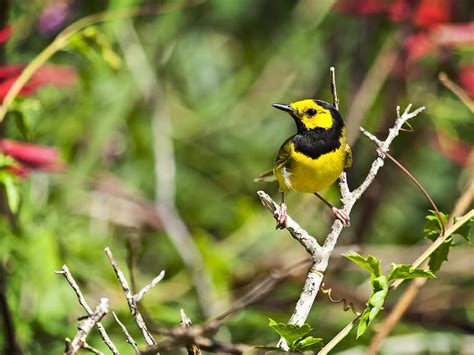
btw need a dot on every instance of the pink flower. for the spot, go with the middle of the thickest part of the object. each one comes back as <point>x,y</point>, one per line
<point>5,33</point>
<point>31,157</point>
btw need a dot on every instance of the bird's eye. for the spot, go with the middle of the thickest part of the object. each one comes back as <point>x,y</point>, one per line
<point>311,112</point>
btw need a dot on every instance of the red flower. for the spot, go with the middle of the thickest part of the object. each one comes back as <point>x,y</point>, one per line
<point>418,45</point>
<point>430,13</point>
<point>5,33</point>
<point>31,157</point>
<point>361,7</point>
<point>466,78</point>
<point>399,10</point>
<point>46,75</point>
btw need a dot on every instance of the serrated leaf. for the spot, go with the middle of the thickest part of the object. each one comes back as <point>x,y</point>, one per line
<point>406,271</point>
<point>433,225</point>
<point>290,332</point>
<point>308,343</point>
<point>465,230</point>
<point>440,255</point>
<point>371,263</point>
<point>363,323</point>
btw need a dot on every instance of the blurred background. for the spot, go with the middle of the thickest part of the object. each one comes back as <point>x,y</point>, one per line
<point>144,134</point>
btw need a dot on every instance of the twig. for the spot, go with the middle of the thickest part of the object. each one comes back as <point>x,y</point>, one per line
<point>85,327</point>
<point>130,339</point>
<point>302,236</point>
<point>132,304</point>
<point>192,349</point>
<point>457,90</point>
<point>420,187</point>
<point>333,88</point>
<point>92,349</point>
<point>320,255</point>
<point>82,301</point>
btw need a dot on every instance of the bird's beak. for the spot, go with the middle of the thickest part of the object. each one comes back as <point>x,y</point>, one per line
<point>286,108</point>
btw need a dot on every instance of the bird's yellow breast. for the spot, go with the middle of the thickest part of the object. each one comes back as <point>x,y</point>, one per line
<point>305,174</point>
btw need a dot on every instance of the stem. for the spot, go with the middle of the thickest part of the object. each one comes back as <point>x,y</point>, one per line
<point>341,335</point>
<point>417,183</point>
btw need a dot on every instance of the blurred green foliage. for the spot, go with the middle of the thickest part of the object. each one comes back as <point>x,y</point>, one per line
<point>219,65</point>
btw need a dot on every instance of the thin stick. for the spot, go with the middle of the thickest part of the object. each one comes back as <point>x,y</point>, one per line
<point>420,187</point>
<point>82,301</point>
<point>130,339</point>
<point>85,327</point>
<point>457,90</point>
<point>335,99</point>
<point>192,349</point>
<point>130,299</point>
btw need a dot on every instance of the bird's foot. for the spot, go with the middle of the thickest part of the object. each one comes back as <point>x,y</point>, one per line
<point>341,215</point>
<point>281,216</point>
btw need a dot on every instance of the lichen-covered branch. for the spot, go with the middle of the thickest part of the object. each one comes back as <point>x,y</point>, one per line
<point>85,327</point>
<point>321,254</point>
<point>130,339</point>
<point>131,299</point>
<point>82,301</point>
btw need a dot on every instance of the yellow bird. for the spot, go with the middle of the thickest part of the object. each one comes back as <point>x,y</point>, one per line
<point>314,158</point>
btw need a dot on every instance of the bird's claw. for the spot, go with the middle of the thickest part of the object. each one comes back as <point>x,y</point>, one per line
<point>341,215</point>
<point>281,216</point>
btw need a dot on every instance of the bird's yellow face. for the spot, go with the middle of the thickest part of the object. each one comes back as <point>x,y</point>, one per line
<point>311,114</point>
<point>308,113</point>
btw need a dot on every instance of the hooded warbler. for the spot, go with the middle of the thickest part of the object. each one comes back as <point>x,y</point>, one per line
<point>313,158</point>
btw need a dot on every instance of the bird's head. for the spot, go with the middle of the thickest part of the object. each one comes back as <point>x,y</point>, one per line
<point>311,114</point>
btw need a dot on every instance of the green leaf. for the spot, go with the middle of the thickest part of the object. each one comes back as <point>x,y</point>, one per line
<point>371,263</point>
<point>433,225</point>
<point>290,332</point>
<point>308,343</point>
<point>6,161</point>
<point>11,190</point>
<point>406,271</point>
<point>364,322</point>
<point>464,231</point>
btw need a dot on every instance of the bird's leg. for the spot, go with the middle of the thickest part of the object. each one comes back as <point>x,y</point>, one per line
<point>339,214</point>
<point>281,213</point>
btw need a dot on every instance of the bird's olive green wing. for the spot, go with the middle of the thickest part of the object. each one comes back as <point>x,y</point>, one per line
<point>281,159</point>
<point>283,154</point>
<point>348,162</point>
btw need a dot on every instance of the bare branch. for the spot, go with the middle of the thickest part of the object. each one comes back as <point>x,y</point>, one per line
<point>335,99</point>
<point>130,299</point>
<point>192,349</point>
<point>302,236</point>
<point>130,339</point>
<point>85,327</point>
<point>82,301</point>
<point>321,255</point>
<point>148,287</point>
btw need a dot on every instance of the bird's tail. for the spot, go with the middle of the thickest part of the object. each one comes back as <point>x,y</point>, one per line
<point>267,176</point>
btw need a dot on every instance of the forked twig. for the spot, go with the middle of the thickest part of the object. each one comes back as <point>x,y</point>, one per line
<point>85,327</point>
<point>82,301</point>
<point>133,299</point>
